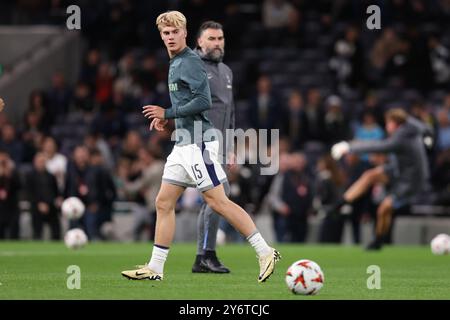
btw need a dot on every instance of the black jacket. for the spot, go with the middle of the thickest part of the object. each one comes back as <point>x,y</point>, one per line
<point>98,181</point>
<point>42,187</point>
<point>9,195</point>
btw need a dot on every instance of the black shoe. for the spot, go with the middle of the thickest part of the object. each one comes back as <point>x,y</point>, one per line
<point>198,267</point>
<point>375,245</point>
<point>210,263</point>
<point>214,265</point>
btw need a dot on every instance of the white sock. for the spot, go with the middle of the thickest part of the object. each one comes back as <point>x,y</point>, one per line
<point>259,244</point>
<point>159,256</point>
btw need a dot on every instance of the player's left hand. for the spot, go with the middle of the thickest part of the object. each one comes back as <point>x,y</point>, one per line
<point>152,112</point>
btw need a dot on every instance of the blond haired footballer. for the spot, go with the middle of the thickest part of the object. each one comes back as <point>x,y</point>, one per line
<point>194,160</point>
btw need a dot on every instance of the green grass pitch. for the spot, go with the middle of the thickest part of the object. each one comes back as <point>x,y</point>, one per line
<point>37,270</point>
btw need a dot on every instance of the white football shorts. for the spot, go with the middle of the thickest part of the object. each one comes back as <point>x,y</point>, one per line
<point>195,165</point>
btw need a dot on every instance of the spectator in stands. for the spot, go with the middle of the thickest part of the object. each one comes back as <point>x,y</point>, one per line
<point>396,71</point>
<point>148,71</point>
<point>231,23</point>
<point>57,12</point>
<point>39,106</point>
<point>398,11</point>
<point>251,168</point>
<point>110,123</point>
<point>33,122</point>
<point>131,145</point>
<point>94,140</point>
<point>125,69</point>
<point>279,17</point>
<point>82,182</point>
<point>11,144</point>
<point>440,62</point>
<point>9,198</point>
<point>443,12</point>
<point>329,187</point>
<point>150,169</point>
<point>443,140</point>
<point>121,102</point>
<point>420,12</point>
<point>280,210</point>
<point>32,137</point>
<point>239,178</point>
<point>264,107</point>
<point>120,176</point>
<point>297,195</point>
<point>148,96</point>
<point>59,96</point>
<point>106,192</point>
<point>153,81</point>
<point>122,25</point>
<point>419,73</point>
<point>83,100</point>
<point>90,67</point>
<point>347,61</point>
<point>422,112</point>
<point>368,129</point>
<point>336,126</point>
<point>104,83</point>
<point>314,116</point>
<point>42,191</point>
<point>56,163</point>
<point>294,118</point>
<point>384,48</point>
<point>372,104</point>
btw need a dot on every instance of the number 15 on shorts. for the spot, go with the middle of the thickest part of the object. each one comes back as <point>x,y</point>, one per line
<point>196,171</point>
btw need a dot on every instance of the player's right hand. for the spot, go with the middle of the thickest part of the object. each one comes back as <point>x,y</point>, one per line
<point>158,124</point>
<point>339,149</point>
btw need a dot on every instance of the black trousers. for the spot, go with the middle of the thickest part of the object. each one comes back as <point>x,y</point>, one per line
<point>38,219</point>
<point>298,228</point>
<point>9,225</point>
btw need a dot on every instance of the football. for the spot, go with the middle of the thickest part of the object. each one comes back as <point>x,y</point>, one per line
<point>72,208</point>
<point>440,244</point>
<point>304,277</point>
<point>75,238</point>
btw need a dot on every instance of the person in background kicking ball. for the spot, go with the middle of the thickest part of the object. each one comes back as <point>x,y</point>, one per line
<point>405,175</point>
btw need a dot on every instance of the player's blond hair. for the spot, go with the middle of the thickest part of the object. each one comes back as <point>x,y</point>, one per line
<point>171,19</point>
<point>397,115</point>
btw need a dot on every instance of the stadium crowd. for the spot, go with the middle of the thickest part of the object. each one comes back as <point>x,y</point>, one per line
<point>308,68</point>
